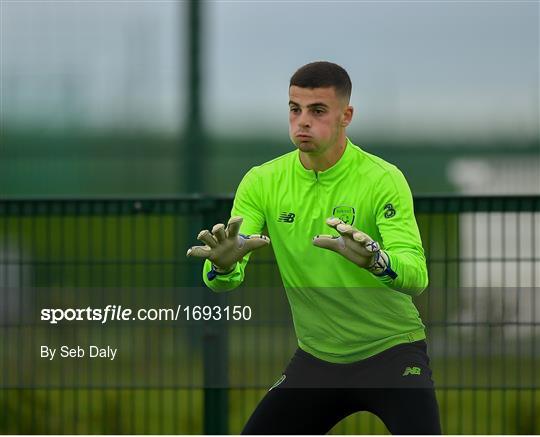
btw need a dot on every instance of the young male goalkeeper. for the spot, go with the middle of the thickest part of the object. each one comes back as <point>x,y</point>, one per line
<point>349,252</point>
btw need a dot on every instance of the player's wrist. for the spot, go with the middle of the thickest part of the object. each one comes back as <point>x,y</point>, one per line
<point>380,265</point>
<point>223,270</point>
<point>219,271</point>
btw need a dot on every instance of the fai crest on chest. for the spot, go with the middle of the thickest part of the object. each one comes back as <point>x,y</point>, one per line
<point>344,213</point>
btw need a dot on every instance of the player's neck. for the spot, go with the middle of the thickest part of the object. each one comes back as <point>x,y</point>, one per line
<point>323,161</point>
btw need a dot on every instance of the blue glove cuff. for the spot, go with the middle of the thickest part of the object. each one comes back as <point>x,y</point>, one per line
<point>211,275</point>
<point>381,263</point>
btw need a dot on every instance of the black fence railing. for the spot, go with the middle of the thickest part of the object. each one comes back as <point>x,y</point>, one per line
<point>191,375</point>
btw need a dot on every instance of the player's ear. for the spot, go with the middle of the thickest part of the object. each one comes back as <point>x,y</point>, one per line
<point>347,116</point>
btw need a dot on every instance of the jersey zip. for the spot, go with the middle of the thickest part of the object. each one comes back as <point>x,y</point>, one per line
<point>317,212</point>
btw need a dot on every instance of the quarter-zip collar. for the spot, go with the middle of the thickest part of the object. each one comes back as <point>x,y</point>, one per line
<point>329,174</point>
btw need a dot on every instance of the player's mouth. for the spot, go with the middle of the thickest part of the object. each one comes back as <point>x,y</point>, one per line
<point>303,136</point>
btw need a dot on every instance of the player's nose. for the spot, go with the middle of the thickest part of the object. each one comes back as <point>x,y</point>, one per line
<point>304,121</point>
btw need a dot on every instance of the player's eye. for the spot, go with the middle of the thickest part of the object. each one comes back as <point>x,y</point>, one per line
<point>294,110</point>
<point>319,111</point>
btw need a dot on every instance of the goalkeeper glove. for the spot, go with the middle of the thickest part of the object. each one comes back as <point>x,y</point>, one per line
<point>224,247</point>
<point>357,247</point>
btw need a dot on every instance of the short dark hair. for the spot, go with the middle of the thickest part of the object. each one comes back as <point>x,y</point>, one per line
<point>323,74</point>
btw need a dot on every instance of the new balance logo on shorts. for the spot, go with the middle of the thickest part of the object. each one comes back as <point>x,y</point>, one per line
<point>412,371</point>
<point>286,217</point>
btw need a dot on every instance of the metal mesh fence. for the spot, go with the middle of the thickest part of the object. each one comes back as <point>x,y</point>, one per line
<point>189,377</point>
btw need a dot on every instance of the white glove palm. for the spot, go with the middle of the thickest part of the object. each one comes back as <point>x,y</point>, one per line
<point>224,246</point>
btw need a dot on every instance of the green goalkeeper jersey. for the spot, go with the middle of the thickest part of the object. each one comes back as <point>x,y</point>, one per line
<point>341,312</point>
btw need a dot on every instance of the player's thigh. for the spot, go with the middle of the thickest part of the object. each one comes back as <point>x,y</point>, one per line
<point>405,399</point>
<point>408,410</point>
<point>297,411</point>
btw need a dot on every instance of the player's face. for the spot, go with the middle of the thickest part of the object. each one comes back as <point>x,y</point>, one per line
<point>317,118</point>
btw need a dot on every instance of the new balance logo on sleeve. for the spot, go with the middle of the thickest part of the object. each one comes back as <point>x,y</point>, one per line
<point>286,217</point>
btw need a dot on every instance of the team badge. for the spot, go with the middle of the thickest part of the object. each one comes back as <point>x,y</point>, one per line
<point>344,213</point>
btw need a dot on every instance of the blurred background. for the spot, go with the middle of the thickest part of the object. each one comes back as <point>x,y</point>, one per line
<point>125,127</point>
<point>138,97</point>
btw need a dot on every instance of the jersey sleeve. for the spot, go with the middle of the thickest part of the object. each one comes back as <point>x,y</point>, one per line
<point>248,204</point>
<point>394,212</point>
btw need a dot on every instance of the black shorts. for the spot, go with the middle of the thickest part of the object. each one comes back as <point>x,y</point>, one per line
<point>313,395</point>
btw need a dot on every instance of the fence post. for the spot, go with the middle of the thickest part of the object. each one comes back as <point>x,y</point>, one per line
<point>215,349</point>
